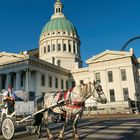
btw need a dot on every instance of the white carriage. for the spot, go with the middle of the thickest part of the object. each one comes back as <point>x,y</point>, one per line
<point>24,113</point>
<point>9,120</point>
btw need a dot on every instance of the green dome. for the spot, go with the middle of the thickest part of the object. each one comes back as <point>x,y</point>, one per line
<point>59,24</point>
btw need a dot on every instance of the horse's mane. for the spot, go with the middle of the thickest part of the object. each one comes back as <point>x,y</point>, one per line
<point>82,90</point>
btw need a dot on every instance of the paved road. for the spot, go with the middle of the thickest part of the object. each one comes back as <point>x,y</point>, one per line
<point>95,129</point>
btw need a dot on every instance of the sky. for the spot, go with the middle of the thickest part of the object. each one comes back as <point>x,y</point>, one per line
<point>101,24</point>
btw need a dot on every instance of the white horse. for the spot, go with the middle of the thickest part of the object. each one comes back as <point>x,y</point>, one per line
<point>73,105</point>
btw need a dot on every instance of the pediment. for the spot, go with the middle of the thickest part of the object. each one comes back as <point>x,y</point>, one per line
<point>108,55</point>
<point>7,58</point>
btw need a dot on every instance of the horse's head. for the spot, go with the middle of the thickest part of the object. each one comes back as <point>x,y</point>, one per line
<point>99,94</point>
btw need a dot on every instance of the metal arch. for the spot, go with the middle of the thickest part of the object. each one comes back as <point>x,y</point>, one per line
<point>129,41</point>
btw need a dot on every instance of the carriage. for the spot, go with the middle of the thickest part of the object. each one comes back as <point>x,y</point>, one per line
<point>11,117</point>
<point>23,114</point>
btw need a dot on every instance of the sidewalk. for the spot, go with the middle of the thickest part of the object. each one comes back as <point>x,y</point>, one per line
<point>106,116</point>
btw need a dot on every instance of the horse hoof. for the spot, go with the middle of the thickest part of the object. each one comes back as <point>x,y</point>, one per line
<point>60,137</point>
<point>50,137</point>
<point>76,137</point>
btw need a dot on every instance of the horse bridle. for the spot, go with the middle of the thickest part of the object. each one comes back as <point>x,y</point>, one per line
<point>98,89</point>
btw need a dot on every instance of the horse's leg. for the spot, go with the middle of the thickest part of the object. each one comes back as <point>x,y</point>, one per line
<point>39,130</point>
<point>61,133</point>
<point>75,135</point>
<point>46,114</point>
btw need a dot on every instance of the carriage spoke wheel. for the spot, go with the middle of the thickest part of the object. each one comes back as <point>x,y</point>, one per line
<point>8,128</point>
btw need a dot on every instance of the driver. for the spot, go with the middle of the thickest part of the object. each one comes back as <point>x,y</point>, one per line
<point>9,97</point>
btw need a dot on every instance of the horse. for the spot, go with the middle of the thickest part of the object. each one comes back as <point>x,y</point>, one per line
<point>72,106</point>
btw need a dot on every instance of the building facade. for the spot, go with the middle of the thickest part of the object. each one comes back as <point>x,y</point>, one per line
<point>56,65</point>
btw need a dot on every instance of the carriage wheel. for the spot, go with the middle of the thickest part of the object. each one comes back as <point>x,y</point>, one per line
<point>8,128</point>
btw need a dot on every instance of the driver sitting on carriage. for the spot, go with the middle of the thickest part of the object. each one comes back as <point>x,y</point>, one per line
<point>9,97</point>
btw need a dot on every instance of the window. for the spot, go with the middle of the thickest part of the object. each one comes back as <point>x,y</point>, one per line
<point>73,48</point>
<point>64,47</point>
<point>73,83</point>
<point>44,49</point>
<point>59,47</point>
<point>81,82</point>
<point>123,75</point>
<point>97,77</point>
<point>22,79</point>
<point>12,80</point>
<point>49,49</point>
<point>53,47</point>
<point>3,81</point>
<point>112,95</point>
<point>57,10</point>
<point>69,48</point>
<point>125,94</point>
<point>67,84</point>
<point>43,80</point>
<point>78,50</point>
<point>110,76</point>
<point>62,84</point>
<point>50,81</point>
<point>56,82</point>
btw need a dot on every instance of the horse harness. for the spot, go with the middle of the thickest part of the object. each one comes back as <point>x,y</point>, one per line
<point>66,95</point>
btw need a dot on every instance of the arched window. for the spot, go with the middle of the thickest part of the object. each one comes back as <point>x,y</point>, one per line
<point>59,47</point>
<point>64,47</point>
<point>78,49</point>
<point>53,47</point>
<point>49,48</point>
<point>73,48</point>
<point>69,48</point>
<point>44,49</point>
<point>58,10</point>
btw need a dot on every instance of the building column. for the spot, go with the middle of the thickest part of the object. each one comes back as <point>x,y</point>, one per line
<point>62,43</point>
<point>27,80</point>
<point>38,83</point>
<point>71,43</point>
<point>18,80</point>
<point>64,84</point>
<point>8,80</point>
<point>56,46</point>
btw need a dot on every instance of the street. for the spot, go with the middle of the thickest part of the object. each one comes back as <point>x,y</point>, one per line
<point>90,129</point>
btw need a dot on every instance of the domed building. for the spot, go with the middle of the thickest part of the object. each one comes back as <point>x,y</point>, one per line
<point>59,42</point>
